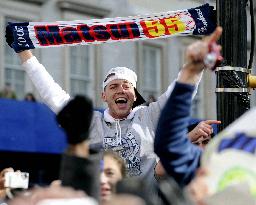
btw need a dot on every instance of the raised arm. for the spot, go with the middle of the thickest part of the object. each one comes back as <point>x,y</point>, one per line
<point>52,94</point>
<point>179,156</point>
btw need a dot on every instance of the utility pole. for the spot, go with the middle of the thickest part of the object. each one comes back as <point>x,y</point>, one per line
<point>232,76</point>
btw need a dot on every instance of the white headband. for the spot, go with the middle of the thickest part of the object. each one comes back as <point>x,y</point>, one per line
<point>120,73</point>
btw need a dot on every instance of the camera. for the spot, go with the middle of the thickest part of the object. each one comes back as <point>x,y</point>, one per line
<point>16,180</point>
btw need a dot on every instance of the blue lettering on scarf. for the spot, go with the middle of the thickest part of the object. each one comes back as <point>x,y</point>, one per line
<point>241,141</point>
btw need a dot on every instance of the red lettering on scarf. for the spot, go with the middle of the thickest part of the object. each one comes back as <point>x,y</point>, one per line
<point>53,35</point>
<point>85,33</point>
<point>100,33</point>
<point>70,35</point>
<point>127,30</point>
<point>48,35</point>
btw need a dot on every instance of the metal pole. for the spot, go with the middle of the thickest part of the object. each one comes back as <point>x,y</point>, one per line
<point>232,81</point>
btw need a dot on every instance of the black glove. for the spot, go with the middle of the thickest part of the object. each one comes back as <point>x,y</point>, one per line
<point>9,35</point>
<point>10,38</point>
<point>75,118</point>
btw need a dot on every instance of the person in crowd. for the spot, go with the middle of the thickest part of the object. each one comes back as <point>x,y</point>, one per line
<point>114,170</point>
<point>202,132</point>
<point>124,127</point>
<point>78,162</point>
<point>80,165</point>
<point>179,157</point>
<point>197,189</point>
<point>7,92</point>
<point>126,199</point>
<point>151,98</point>
<point>30,97</point>
<point>202,142</point>
<point>203,135</point>
<point>79,155</point>
<point>2,181</point>
<point>7,190</point>
<point>58,195</point>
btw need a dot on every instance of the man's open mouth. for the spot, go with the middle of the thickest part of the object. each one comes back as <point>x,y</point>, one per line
<point>121,101</point>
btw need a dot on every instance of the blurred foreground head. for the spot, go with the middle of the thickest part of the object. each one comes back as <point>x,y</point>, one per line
<point>126,199</point>
<point>75,118</point>
<point>55,195</point>
<point>230,161</point>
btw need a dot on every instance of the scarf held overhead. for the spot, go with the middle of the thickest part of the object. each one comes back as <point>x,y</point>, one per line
<point>196,21</point>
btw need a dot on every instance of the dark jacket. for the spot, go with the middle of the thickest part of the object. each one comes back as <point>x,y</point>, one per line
<point>82,174</point>
<point>179,156</point>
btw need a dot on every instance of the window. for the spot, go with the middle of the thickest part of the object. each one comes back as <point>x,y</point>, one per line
<point>80,71</point>
<point>151,71</point>
<point>13,72</point>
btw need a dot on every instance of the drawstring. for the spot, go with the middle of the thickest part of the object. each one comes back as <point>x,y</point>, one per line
<point>119,133</point>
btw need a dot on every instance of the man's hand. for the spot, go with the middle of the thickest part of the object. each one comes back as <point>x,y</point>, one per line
<point>9,36</point>
<point>24,54</point>
<point>10,39</point>
<point>197,189</point>
<point>2,179</point>
<point>195,55</point>
<point>196,52</point>
<point>202,130</point>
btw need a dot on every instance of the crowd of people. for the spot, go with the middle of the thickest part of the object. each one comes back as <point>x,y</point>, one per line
<point>132,153</point>
<point>9,93</point>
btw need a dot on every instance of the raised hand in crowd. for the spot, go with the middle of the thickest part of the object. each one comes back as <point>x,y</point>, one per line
<point>195,56</point>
